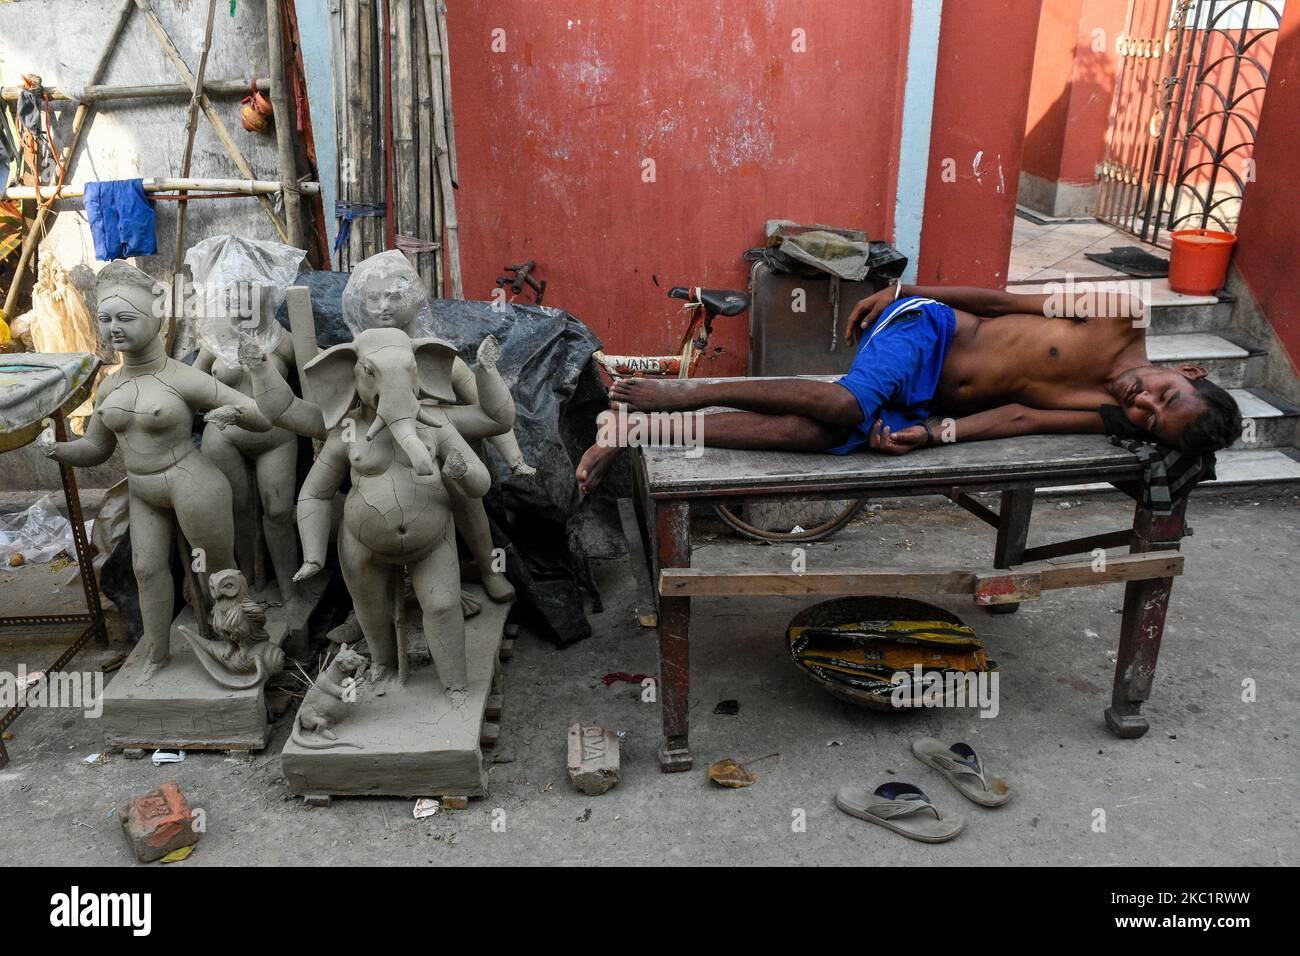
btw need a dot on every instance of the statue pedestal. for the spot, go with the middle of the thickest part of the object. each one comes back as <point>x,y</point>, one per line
<point>182,707</point>
<point>413,743</point>
<point>295,622</point>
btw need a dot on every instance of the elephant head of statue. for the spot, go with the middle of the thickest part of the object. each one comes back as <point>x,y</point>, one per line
<point>387,372</point>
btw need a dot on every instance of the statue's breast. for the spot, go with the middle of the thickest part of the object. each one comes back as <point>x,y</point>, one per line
<point>373,457</point>
<point>147,404</point>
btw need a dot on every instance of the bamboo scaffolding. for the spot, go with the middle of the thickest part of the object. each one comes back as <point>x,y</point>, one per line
<point>441,110</point>
<point>405,165</point>
<point>191,127</point>
<point>448,119</point>
<point>245,187</point>
<point>69,154</point>
<point>283,124</point>
<point>108,93</point>
<point>428,215</point>
<point>218,127</point>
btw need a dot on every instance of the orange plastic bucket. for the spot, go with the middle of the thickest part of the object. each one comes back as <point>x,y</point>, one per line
<point>1198,262</point>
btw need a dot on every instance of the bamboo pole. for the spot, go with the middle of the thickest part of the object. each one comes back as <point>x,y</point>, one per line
<point>69,153</point>
<point>365,119</point>
<point>386,120</point>
<point>405,165</point>
<point>446,90</point>
<point>107,93</point>
<point>283,124</point>
<point>349,104</point>
<point>427,224</point>
<point>160,184</point>
<point>218,127</point>
<point>191,127</point>
<point>451,228</point>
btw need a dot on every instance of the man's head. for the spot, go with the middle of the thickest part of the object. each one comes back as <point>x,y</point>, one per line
<point>1180,407</point>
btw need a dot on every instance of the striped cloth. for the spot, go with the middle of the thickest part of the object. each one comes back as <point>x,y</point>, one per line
<point>1168,475</point>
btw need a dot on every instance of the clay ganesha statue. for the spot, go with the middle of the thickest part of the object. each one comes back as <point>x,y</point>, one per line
<point>405,457</point>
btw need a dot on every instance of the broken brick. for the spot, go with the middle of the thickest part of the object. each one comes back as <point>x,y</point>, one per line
<point>158,823</point>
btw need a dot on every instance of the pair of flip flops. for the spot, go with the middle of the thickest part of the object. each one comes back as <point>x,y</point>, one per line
<point>904,807</point>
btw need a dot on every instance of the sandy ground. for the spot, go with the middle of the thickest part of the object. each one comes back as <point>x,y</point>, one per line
<point>1212,783</point>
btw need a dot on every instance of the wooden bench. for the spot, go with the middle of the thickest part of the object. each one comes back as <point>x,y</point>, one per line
<point>667,483</point>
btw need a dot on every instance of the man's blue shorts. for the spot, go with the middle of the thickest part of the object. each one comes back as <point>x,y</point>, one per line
<point>896,371</point>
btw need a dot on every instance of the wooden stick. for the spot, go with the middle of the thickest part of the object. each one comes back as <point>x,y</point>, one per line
<point>451,228</point>
<point>446,91</point>
<point>283,124</point>
<point>191,127</point>
<point>247,187</point>
<point>69,154</point>
<point>348,103</point>
<point>426,221</point>
<point>108,93</point>
<point>368,175</point>
<point>405,166</point>
<point>218,127</point>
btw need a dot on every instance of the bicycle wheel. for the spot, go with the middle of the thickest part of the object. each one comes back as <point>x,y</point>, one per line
<point>818,531</point>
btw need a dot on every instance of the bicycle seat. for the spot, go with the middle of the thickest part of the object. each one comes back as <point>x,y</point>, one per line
<point>715,301</point>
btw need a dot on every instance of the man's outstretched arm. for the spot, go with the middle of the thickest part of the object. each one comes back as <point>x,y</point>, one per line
<point>1082,300</point>
<point>1006,421</point>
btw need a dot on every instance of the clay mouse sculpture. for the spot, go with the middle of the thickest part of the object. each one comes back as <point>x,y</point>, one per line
<point>326,703</point>
<point>147,406</point>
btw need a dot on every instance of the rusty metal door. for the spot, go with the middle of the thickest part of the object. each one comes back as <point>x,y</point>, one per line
<point>1185,113</point>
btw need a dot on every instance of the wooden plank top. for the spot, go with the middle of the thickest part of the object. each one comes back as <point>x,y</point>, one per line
<point>1036,460</point>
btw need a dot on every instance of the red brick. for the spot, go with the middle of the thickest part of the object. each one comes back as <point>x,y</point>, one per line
<point>159,822</point>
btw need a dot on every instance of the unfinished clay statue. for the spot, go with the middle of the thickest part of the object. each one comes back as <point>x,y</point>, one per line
<point>326,702</point>
<point>241,283</point>
<point>148,406</point>
<point>404,458</point>
<point>384,292</point>
<point>243,655</point>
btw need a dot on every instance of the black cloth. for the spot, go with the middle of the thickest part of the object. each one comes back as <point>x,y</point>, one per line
<point>1169,474</point>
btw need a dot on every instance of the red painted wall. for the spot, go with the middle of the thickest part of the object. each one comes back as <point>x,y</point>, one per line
<point>1268,234</point>
<point>1073,84</point>
<point>552,132</point>
<point>986,54</point>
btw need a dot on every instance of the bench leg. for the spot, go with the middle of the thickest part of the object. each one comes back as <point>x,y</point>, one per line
<point>1013,532</point>
<point>673,547</point>
<point>1143,625</point>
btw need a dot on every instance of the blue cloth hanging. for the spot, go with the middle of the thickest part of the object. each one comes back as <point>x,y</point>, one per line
<point>122,219</point>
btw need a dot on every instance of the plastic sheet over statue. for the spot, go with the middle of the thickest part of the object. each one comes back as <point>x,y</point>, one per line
<point>239,285</point>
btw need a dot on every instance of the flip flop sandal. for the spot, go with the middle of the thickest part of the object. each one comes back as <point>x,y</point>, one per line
<point>902,808</point>
<point>962,766</point>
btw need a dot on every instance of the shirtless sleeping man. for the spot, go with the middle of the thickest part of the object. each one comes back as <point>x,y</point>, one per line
<point>988,364</point>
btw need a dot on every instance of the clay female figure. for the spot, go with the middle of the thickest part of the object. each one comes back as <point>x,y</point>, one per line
<point>403,458</point>
<point>219,265</point>
<point>147,406</point>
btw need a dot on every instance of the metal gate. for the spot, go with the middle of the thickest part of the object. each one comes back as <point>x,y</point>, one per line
<point>1191,81</point>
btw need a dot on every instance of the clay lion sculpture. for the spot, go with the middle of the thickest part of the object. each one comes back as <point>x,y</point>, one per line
<point>402,452</point>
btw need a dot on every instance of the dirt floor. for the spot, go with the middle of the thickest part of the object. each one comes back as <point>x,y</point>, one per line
<point>1207,785</point>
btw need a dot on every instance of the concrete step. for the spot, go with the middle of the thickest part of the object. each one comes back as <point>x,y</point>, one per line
<point>1169,311</point>
<point>1234,467</point>
<point>1271,421</point>
<point>1226,359</point>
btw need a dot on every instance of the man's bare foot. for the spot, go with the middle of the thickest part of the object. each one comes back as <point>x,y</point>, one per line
<point>654,395</point>
<point>596,460</point>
